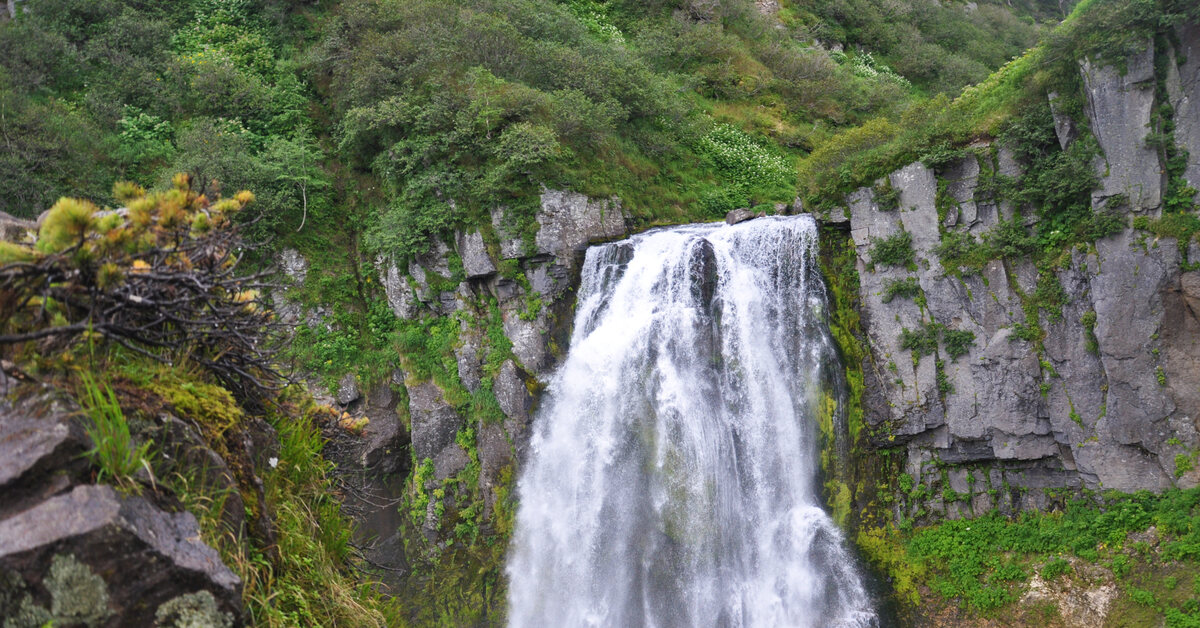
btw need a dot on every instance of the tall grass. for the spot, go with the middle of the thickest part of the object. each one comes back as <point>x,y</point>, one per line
<point>113,449</point>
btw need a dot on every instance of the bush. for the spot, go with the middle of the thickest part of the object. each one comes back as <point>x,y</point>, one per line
<point>887,198</point>
<point>160,279</point>
<point>958,342</point>
<point>895,250</point>
<point>907,288</point>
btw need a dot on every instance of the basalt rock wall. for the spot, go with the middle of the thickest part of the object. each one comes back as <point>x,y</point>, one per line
<point>1108,395</point>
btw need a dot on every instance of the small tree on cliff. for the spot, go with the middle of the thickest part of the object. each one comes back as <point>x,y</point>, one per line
<point>159,277</point>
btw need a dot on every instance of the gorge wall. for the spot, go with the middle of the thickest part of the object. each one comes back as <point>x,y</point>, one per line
<point>1082,374</point>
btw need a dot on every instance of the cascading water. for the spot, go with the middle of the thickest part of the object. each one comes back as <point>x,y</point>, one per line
<point>672,477</point>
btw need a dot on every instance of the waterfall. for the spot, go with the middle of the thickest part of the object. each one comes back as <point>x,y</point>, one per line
<point>672,475</point>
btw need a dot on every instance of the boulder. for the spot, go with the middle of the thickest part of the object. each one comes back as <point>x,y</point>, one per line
<point>740,215</point>
<point>93,557</point>
<point>347,392</point>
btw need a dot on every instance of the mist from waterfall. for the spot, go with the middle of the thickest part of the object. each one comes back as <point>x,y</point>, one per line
<point>672,479</point>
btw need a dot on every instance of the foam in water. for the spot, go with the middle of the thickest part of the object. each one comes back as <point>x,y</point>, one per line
<point>671,479</point>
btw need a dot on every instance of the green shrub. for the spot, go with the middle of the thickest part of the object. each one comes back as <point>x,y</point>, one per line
<point>906,288</point>
<point>887,198</point>
<point>1055,567</point>
<point>921,341</point>
<point>1184,463</point>
<point>958,342</point>
<point>960,250</point>
<point>895,250</point>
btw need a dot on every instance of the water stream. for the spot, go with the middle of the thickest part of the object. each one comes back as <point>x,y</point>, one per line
<point>672,478</point>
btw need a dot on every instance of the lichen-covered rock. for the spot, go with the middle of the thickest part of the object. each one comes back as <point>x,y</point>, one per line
<point>192,610</point>
<point>1118,109</point>
<point>92,557</point>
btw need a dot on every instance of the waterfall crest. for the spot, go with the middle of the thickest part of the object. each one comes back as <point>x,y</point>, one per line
<point>672,475</point>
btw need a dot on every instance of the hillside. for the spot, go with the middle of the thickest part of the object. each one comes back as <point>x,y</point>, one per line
<point>1001,186</point>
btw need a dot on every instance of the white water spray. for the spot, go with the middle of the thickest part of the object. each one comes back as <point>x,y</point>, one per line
<point>672,476</point>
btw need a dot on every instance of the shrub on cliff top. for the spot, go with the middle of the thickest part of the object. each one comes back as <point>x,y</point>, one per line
<point>159,277</point>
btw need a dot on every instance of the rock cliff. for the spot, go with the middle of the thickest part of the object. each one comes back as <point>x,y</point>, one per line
<point>1009,382</point>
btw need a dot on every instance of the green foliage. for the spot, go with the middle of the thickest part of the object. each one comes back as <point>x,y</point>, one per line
<point>906,288</point>
<point>924,340</point>
<point>944,385</point>
<point>887,198</point>
<point>1184,463</point>
<point>983,561</point>
<point>957,342</point>
<point>894,250</point>
<point>960,250</point>
<point>921,341</point>
<point>114,452</point>
<point>1055,567</point>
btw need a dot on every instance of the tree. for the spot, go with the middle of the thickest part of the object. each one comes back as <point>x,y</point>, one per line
<point>295,163</point>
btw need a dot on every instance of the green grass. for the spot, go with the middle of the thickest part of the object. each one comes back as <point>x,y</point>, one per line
<point>986,562</point>
<point>114,452</point>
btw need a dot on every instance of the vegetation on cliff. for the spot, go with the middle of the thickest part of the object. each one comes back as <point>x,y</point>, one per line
<point>369,129</point>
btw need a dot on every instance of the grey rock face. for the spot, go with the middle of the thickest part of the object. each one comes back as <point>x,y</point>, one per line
<point>293,265</point>
<point>1064,125</point>
<point>434,422</point>
<point>476,261</point>
<point>1183,88</point>
<point>517,404</point>
<point>41,454</point>
<point>348,392</point>
<point>511,245</point>
<point>1118,111</point>
<point>90,554</point>
<point>395,286</point>
<point>570,221</point>
<point>1115,395</point>
<point>436,261</point>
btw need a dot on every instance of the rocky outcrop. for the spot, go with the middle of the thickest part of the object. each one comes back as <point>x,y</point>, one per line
<point>73,553</point>
<point>92,557</point>
<point>1119,103</point>
<point>509,286</point>
<point>1110,396</point>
